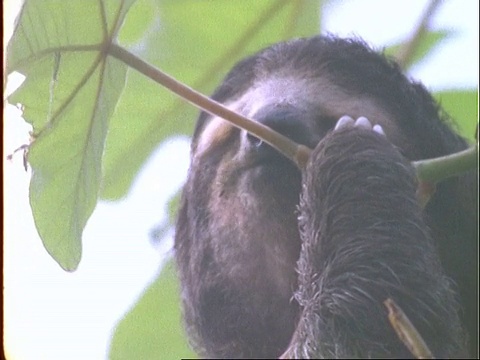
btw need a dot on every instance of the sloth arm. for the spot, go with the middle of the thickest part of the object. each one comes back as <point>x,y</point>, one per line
<point>364,240</point>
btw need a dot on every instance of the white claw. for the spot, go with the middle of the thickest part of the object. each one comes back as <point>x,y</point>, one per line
<point>363,122</point>
<point>378,129</point>
<point>343,122</point>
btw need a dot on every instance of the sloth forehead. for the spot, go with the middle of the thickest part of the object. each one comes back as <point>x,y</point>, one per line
<point>299,92</point>
<point>295,91</point>
<point>316,94</point>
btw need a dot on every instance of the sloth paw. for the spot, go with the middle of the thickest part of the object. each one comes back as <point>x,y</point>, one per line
<point>361,122</point>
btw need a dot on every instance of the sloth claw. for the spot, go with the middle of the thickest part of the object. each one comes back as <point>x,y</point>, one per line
<point>361,122</point>
<point>378,129</point>
<point>344,121</point>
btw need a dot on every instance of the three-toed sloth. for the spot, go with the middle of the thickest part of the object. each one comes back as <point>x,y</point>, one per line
<point>274,259</point>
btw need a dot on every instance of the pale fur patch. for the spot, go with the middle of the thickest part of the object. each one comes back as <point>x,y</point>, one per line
<point>215,131</point>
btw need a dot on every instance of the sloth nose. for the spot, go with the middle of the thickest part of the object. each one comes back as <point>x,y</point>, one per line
<point>286,120</point>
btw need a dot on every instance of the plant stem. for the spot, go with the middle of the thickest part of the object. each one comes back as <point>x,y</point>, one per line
<point>407,51</point>
<point>406,332</point>
<point>434,170</point>
<point>297,153</point>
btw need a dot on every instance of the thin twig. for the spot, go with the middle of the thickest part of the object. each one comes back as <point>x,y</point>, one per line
<point>434,170</point>
<point>407,51</point>
<point>431,170</point>
<point>240,44</point>
<point>297,153</point>
<point>406,331</point>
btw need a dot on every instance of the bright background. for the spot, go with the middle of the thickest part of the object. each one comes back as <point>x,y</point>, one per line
<point>51,314</point>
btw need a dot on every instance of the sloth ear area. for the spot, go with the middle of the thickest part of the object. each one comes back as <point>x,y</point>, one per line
<point>362,122</point>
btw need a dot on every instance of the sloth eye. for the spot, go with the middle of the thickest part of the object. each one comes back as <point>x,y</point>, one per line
<point>287,120</point>
<point>254,141</point>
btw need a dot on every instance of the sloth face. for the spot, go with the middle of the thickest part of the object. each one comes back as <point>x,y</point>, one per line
<point>253,191</point>
<point>248,177</point>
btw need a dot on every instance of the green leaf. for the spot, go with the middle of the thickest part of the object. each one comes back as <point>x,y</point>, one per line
<point>73,88</point>
<point>462,106</point>
<point>70,92</point>
<point>195,42</point>
<point>153,328</point>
